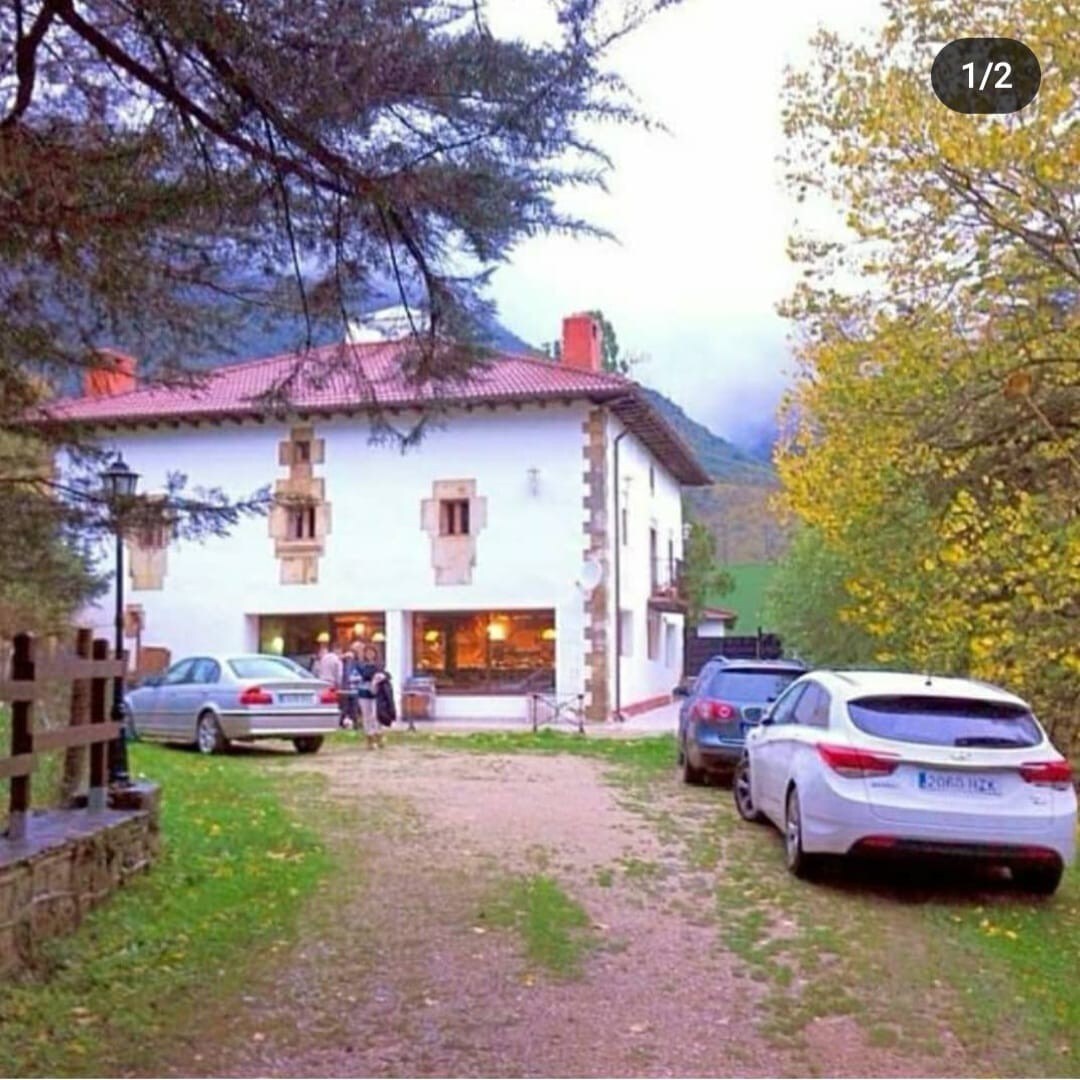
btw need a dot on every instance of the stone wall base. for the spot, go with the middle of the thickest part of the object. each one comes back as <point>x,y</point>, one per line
<point>70,861</point>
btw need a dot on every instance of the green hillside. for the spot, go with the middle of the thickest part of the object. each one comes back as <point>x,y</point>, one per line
<point>748,599</point>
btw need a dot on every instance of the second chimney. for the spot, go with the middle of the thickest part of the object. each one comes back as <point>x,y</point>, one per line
<point>113,373</point>
<point>582,342</point>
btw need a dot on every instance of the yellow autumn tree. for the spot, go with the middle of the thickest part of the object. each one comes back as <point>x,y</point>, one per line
<point>932,439</point>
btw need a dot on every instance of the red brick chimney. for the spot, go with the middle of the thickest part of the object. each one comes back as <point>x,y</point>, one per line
<point>582,343</point>
<point>115,374</point>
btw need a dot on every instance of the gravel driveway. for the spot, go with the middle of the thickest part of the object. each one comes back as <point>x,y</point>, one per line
<point>398,974</point>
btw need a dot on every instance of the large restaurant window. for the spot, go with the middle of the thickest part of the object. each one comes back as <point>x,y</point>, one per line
<point>486,652</point>
<point>296,636</point>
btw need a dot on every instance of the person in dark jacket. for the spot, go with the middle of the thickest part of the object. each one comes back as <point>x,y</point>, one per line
<point>363,675</point>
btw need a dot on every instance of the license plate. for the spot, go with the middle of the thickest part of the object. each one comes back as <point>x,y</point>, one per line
<point>951,783</point>
<point>296,699</point>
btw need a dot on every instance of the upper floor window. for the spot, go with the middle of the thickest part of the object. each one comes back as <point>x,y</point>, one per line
<point>153,536</point>
<point>301,523</point>
<point>301,449</point>
<point>454,517</point>
<point>652,480</point>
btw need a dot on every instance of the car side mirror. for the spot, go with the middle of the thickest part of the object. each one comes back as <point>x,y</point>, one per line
<point>681,691</point>
<point>150,680</point>
<point>766,719</point>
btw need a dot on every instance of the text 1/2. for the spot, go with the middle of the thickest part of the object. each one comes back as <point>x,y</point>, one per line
<point>1002,83</point>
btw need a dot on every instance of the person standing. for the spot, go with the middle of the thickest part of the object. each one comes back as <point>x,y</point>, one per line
<point>327,664</point>
<point>329,668</point>
<point>364,675</point>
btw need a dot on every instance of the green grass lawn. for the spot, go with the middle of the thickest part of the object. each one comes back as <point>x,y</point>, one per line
<point>235,869</point>
<point>748,599</point>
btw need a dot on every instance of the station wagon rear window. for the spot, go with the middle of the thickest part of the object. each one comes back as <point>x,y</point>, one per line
<point>937,721</point>
<point>749,685</point>
<point>267,667</point>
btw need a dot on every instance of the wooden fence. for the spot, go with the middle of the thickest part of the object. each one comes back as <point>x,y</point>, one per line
<point>30,680</point>
<point>698,651</point>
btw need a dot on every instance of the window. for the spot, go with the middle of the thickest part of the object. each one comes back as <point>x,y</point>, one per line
<point>267,667</point>
<point>301,453</point>
<point>749,686</point>
<point>812,708</point>
<point>626,633</point>
<point>153,536</point>
<point>654,567</point>
<point>205,671</point>
<point>454,517</point>
<point>936,721</point>
<point>180,672</point>
<point>652,624</point>
<point>785,705</point>
<point>652,480</point>
<point>486,652</point>
<point>301,523</point>
<point>297,636</point>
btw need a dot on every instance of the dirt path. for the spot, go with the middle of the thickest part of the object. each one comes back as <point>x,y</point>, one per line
<point>402,975</point>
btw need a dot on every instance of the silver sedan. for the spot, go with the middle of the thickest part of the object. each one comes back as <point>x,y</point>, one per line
<point>213,700</point>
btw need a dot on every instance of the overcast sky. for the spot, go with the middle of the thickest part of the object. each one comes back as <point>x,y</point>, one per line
<point>700,213</point>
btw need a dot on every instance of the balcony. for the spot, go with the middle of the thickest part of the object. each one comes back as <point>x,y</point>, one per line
<point>666,586</point>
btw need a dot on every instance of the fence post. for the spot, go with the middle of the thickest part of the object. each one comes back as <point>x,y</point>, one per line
<point>98,684</point>
<point>581,714</point>
<point>22,737</point>
<point>75,756</point>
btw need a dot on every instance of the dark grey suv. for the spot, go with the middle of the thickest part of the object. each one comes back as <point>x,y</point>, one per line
<point>727,698</point>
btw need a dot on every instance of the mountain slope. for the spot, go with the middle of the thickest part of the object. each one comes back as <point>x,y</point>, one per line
<point>722,459</point>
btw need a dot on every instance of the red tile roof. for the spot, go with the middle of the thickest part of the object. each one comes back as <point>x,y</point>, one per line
<point>340,378</point>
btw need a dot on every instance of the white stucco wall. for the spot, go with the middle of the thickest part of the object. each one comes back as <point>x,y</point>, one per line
<point>643,678</point>
<point>377,556</point>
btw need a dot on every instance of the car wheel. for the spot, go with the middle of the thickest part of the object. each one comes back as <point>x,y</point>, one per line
<point>1043,880</point>
<point>798,862</point>
<point>307,744</point>
<point>744,799</point>
<point>208,735</point>
<point>690,774</point>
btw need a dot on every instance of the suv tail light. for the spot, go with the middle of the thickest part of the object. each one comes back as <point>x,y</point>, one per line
<point>256,695</point>
<point>1047,772</point>
<point>847,761</point>
<point>328,696</point>
<point>708,709</point>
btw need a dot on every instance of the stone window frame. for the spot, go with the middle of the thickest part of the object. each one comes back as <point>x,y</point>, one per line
<point>299,521</point>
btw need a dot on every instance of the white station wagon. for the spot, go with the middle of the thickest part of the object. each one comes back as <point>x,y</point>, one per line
<point>888,763</point>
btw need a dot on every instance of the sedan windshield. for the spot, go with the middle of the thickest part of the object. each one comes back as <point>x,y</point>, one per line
<point>749,685</point>
<point>946,721</point>
<point>267,667</point>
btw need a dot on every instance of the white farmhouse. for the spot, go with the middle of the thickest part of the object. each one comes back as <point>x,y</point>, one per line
<point>530,542</point>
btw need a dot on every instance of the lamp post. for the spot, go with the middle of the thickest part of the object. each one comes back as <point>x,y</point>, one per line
<point>119,483</point>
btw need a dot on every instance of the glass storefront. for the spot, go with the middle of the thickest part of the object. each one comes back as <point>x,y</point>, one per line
<point>296,636</point>
<point>486,652</point>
